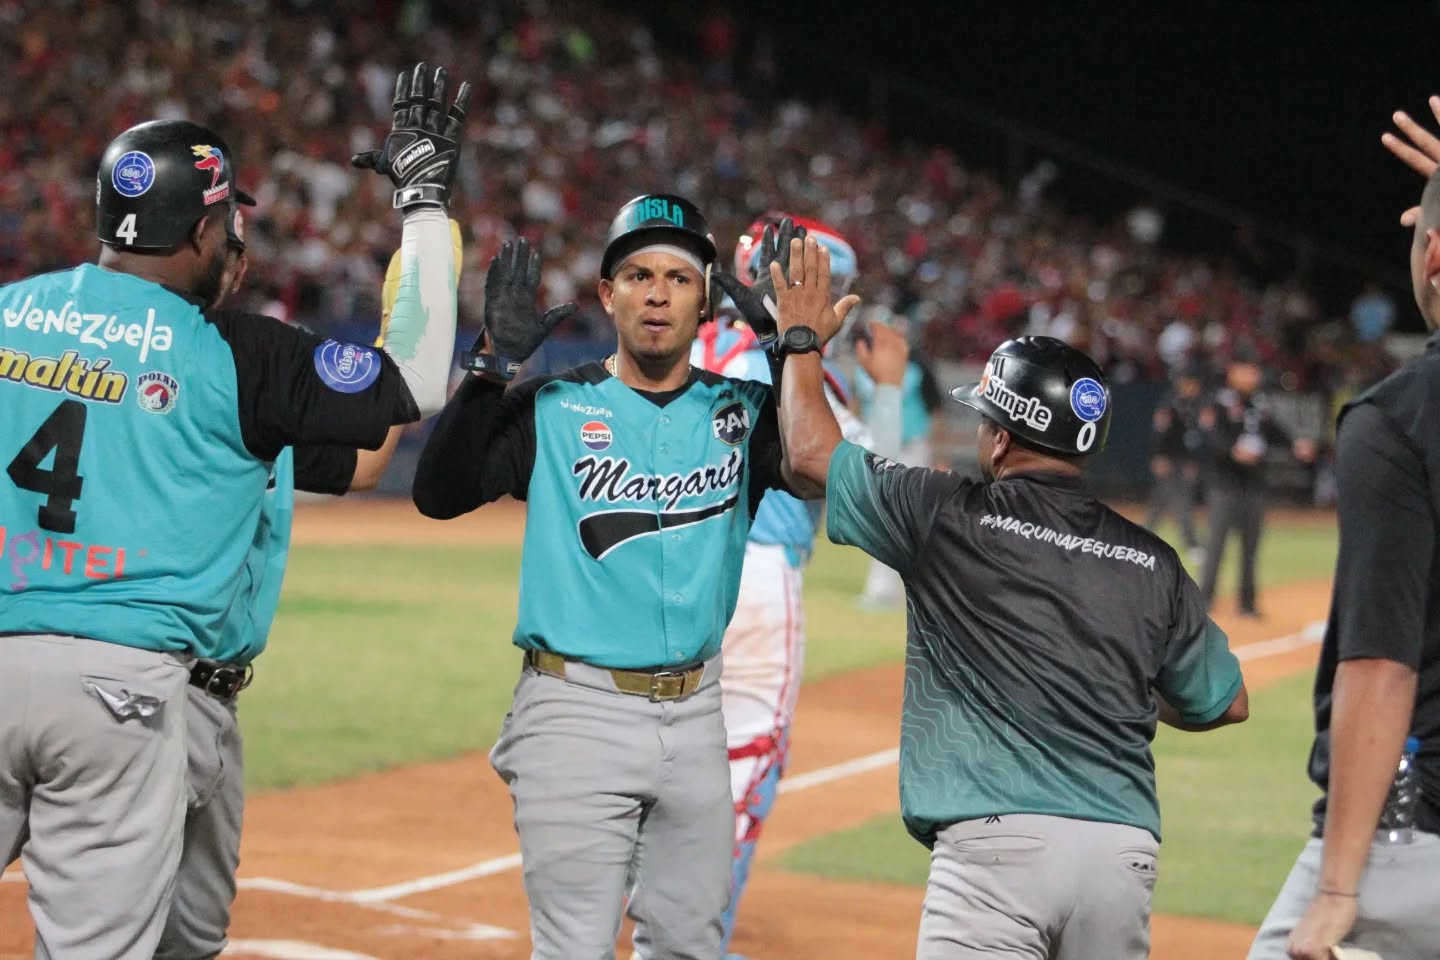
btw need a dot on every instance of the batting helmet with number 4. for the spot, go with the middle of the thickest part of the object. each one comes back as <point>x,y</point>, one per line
<point>157,179</point>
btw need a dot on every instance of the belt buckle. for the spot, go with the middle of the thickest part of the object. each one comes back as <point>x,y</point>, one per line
<point>213,683</point>
<point>668,685</point>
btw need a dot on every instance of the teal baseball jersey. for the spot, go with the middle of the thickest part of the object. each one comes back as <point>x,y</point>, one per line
<point>638,505</point>
<point>1041,626</point>
<point>316,469</point>
<point>138,433</point>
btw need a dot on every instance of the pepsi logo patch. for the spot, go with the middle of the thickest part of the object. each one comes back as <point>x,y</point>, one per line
<point>346,367</point>
<point>156,392</point>
<point>133,174</point>
<point>731,423</point>
<point>596,434</point>
<point>1087,399</point>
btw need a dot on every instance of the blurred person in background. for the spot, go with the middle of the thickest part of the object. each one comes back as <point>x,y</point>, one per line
<point>1240,430</point>
<point>919,399</point>
<point>1177,447</point>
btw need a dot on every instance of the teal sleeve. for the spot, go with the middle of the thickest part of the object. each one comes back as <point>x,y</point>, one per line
<point>1200,677</point>
<point>883,507</point>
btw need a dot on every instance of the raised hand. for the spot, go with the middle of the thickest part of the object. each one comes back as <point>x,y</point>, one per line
<point>756,302</point>
<point>804,298</point>
<point>512,328</point>
<point>423,149</point>
<point>1421,153</point>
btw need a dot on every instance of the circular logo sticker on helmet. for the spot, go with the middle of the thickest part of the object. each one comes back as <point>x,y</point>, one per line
<point>596,434</point>
<point>133,174</point>
<point>1087,399</point>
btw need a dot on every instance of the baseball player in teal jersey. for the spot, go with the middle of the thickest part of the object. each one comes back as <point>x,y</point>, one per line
<point>205,882</point>
<point>641,476</point>
<point>1046,636</point>
<point>141,422</point>
<point>764,645</point>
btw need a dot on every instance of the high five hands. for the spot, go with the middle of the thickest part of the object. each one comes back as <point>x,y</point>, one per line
<point>803,298</point>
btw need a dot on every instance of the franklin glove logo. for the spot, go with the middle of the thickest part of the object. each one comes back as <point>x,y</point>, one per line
<point>412,155</point>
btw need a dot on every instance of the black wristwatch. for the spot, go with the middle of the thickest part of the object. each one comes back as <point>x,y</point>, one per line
<point>797,340</point>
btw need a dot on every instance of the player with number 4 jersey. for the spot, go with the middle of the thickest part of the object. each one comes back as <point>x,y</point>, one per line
<point>141,420</point>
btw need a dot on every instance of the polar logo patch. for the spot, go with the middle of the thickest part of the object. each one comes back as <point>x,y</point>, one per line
<point>133,174</point>
<point>156,392</point>
<point>731,423</point>
<point>346,367</point>
<point>1087,399</point>
<point>596,435</point>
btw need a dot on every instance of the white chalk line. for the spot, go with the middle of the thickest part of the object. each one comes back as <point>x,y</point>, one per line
<point>289,950</point>
<point>378,898</point>
<point>1306,636</point>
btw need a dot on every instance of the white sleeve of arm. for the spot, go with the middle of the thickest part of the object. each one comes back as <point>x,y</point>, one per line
<point>852,428</point>
<point>884,421</point>
<point>420,336</point>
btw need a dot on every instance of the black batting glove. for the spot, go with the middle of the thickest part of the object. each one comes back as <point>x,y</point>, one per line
<point>756,302</point>
<point>421,153</point>
<point>512,326</point>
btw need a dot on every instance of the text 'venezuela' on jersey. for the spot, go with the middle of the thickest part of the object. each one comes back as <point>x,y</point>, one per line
<point>137,440</point>
<point>638,504</point>
<point>1040,623</point>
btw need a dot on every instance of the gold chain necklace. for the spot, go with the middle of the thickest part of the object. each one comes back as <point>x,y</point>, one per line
<point>610,365</point>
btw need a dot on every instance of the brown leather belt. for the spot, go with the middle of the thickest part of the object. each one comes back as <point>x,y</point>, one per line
<point>660,685</point>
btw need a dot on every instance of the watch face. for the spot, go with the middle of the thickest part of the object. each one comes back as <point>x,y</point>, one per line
<point>800,339</point>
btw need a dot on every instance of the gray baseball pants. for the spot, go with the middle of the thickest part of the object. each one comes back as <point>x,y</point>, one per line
<point>1399,909</point>
<point>92,790</point>
<point>1027,887</point>
<point>215,809</point>
<point>601,778</point>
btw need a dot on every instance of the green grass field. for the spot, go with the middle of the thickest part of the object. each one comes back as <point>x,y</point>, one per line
<point>383,655</point>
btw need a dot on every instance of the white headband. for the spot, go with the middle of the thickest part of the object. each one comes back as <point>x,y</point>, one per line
<point>670,249</point>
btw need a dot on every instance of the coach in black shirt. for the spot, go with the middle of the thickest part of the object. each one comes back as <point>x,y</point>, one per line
<point>1379,675</point>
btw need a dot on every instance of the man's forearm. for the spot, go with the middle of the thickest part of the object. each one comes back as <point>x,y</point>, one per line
<point>1370,717</point>
<point>808,428</point>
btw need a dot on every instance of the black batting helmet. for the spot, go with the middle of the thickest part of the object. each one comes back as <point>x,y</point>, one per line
<point>158,178</point>
<point>1045,392</point>
<point>657,218</point>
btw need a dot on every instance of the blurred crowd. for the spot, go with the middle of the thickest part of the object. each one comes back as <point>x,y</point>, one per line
<point>577,108</point>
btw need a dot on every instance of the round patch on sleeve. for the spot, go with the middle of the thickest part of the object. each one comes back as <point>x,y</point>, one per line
<point>346,367</point>
<point>1087,399</point>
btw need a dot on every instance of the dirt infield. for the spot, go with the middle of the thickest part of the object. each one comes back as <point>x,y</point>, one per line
<point>421,862</point>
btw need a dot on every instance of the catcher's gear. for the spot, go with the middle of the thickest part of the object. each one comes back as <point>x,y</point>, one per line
<point>391,288</point>
<point>514,327</point>
<point>755,298</point>
<point>423,149</point>
<point>158,179</point>
<point>844,265</point>
<point>1045,392</point>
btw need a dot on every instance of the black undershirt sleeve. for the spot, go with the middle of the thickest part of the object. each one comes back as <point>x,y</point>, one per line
<point>284,400</point>
<point>482,448</point>
<point>324,469</point>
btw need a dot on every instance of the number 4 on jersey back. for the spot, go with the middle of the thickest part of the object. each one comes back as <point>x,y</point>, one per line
<point>63,431</point>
